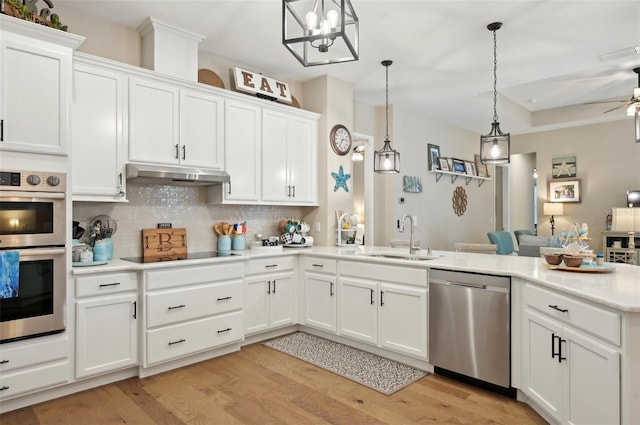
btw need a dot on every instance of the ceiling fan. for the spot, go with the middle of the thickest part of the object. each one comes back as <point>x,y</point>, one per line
<point>635,99</point>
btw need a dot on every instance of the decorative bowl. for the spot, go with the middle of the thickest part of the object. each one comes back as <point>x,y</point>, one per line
<point>571,261</point>
<point>553,259</point>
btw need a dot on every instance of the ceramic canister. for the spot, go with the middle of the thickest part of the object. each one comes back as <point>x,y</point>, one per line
<point>224,243</point>
<point>100,251</point>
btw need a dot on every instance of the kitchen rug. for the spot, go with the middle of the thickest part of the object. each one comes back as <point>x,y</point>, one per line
<point>380,374</point>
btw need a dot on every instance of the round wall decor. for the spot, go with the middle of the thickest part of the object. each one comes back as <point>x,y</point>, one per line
<point>459,200</point>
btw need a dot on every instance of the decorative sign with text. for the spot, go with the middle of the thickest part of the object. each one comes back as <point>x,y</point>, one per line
<point>262,86</point>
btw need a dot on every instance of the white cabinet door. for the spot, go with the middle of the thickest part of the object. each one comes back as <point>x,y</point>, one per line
<point>402,319</point>
<point>275,173</point>
<point>201,130</point>
<point>153,122</point>
<point>242,128</point>
<point>593,390</point>
<point>97,135</point>
<point>256,312</point>
<point>288,158</point>
<point>320,299</point>
<point>542,372</point>
<point>35,92</point>
<point>302,159</point>
<point>107,334</point>
<point>358,310</point>
<point>281,310</point>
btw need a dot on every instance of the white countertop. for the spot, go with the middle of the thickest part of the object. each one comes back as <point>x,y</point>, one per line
<point>619,289</point>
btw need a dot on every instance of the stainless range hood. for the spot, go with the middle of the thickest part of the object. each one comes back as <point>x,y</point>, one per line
<point>179,176</point>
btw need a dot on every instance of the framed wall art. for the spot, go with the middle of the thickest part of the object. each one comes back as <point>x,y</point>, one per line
<point>444,164</point>
<point>481,168</point>
<point>458,166</point>
<point>564,190</point>
<point>434,157</point>
<point>471,168</point>
<point>412,184</point>
<point>564,167</point>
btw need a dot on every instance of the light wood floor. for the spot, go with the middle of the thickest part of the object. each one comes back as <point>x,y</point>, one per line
<point>259,385</point>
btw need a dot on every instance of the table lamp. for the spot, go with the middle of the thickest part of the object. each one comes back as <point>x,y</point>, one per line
<point>552,209</point>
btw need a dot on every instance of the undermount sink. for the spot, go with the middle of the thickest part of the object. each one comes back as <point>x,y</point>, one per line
<point>412,257</point>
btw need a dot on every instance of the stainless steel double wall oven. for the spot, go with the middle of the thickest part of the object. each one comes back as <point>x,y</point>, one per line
<point>33,223</point>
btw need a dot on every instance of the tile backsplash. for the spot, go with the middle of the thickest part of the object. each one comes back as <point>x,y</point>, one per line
<point>182,207</point>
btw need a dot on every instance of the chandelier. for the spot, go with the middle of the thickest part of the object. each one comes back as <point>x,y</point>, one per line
<point>495,146</point>
<point>320,32</point>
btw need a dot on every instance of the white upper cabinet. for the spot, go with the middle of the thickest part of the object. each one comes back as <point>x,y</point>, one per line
<point>169,125</point>
<point>288,158</point>
<point>35,86</point>
<point>97,133</point>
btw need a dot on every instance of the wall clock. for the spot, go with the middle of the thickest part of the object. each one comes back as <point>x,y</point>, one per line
<point>340,139</point>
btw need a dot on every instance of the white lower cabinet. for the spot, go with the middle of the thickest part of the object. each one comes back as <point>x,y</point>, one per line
<point>269,294</point>
<point>572,375</point>
<point>34,364</point>
<point>320,293</point>
<point>192,309</point>
<point>106,323</point>
<point>374,307</point>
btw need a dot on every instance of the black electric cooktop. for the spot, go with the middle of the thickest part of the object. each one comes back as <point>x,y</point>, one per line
<point>190,256</point>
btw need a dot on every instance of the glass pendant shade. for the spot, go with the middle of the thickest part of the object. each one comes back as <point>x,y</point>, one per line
<point>320,32</point>
<point>386,160</point>
<point>495,146</point>
<point>637,124</point>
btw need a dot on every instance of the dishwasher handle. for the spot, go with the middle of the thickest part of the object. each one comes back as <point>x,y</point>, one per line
<point>470,285</point>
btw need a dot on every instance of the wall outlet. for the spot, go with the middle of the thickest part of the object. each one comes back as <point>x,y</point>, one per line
<point>415,220</point>
<point>317,227</point>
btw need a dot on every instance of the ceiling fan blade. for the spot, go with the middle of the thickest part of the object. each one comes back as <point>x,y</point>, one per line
<point>617,107</point>
<point>598,102</point>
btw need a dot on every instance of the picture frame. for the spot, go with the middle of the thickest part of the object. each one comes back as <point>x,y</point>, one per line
<point>458,166</point>
<point>564,167</point>
<point>564,190</point>
<point>470,167</point>
<point>444,164</point>
<point>434,157</point>
<point>412,184</point>
<point>481,169</point>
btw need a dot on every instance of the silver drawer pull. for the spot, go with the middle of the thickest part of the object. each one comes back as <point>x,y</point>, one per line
<point>555,307</point>
<point>224,298</point>
<point>224,330</point>
<point>173,307</point>
<point>102,285</point>
<point>177,342</point>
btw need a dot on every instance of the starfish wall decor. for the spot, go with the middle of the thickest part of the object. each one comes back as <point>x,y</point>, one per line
<point>341,179</point>
<point>564,167</point>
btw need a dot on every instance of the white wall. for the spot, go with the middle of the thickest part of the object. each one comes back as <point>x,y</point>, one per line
<point>607,162</point>
<point>521,193</point>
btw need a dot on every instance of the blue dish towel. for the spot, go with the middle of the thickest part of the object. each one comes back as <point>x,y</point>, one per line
<point>9,274</point>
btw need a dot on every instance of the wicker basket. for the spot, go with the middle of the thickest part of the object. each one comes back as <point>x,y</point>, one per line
<point>9,10</point>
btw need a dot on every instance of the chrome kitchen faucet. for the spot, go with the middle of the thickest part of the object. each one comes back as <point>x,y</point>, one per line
<point>413,248</point>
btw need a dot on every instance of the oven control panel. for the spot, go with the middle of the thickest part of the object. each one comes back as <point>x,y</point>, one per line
<point>32,181</point>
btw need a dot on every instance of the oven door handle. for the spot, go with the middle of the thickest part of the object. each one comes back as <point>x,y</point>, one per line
<point>40,252</point>
<point>25,194</point>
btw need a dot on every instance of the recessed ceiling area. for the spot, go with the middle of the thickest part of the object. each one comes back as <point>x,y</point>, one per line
<point>563,54</point>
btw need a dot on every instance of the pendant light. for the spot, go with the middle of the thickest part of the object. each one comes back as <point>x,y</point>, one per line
<point>320,32</point>
<point>386,160</point>
<point>634,107</point>
<point>495,147</point>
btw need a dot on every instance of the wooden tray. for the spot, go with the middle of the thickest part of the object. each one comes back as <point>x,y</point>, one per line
<point>207,76</point>
<point>164,244</point>
<point>585,268</point>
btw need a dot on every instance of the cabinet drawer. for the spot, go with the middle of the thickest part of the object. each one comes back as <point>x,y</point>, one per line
<point>27,353</point>
<point>102,284</point>
<point>180,276</point>
<point>321,265</point>
<point>33,379</point>
<point>383,272</point>
<point>268,265</point>
<point>188,338</point>
<point>183,304</point>
<point>595,320</point>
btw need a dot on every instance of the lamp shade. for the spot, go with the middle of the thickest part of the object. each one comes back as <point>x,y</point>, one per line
<point>553,208</point>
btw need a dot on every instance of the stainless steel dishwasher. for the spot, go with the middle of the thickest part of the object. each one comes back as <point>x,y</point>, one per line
<point>469,331</point>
